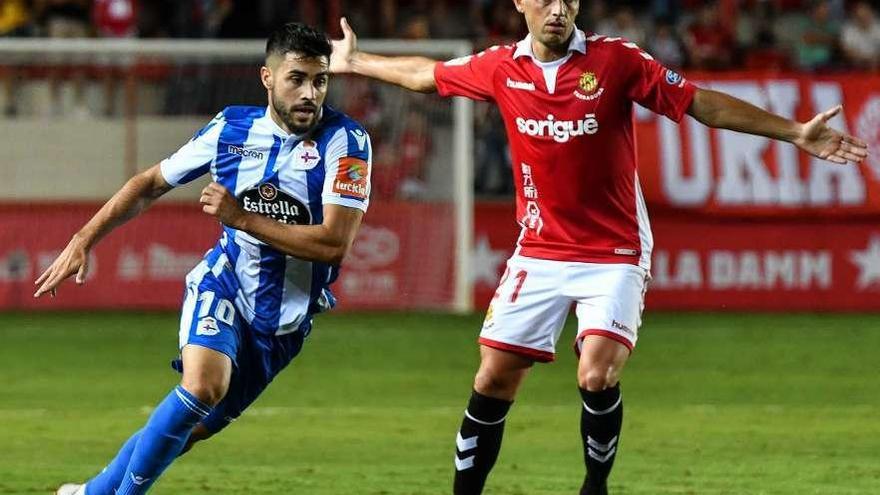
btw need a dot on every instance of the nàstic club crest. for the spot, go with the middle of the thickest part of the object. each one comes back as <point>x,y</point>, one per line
<point>588,82</point>
<point>588,87</point>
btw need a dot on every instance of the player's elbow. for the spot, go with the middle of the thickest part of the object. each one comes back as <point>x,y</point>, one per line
<point>422,81</point>
<point>335,252</point>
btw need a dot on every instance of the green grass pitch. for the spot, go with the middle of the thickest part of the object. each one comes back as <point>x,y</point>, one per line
<point>715,404</point>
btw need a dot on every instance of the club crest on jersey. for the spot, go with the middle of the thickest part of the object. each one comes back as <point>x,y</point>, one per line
<point>351,178</point>
<point>268,192</point>
<point>207,326</point>
<point>307,155</point>
<point>588,87</point>
<point>672,77</point>
<point>267,200</point>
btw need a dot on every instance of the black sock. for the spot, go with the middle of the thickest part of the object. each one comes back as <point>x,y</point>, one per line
<point>478,442</point>
<point>601,418</point>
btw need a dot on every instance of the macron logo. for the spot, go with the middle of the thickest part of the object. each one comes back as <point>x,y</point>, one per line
<point>245,153</point>
<point>527,86</point>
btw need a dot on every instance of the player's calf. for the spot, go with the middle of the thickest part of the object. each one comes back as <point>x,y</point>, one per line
<point>599,369</point>
<point>479,439</point>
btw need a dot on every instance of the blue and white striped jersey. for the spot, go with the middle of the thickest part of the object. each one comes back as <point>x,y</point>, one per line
<point>287,178</point>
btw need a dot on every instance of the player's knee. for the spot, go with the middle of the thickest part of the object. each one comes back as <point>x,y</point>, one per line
<point>597,378</point>
<point>495,384</point>
<point>210,392</point>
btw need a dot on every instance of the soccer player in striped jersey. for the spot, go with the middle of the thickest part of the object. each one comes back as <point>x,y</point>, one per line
<point>566,98</point>
<point>291,183</point>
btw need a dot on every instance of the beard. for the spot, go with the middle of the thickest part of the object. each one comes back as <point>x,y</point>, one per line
<point>297,124</point>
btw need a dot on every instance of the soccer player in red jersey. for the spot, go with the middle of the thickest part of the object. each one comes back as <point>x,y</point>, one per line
<point>566,98</point>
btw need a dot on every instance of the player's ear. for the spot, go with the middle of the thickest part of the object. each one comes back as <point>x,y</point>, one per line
<point>266,77</point>
<point>518,5</point>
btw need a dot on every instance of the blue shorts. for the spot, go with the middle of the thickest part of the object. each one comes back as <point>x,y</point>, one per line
<point>209,319</point>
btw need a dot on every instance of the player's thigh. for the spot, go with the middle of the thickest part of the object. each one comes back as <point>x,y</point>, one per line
<point>609,301</point>
<point>260,359</point>
<point>209,339</point>
<point>528,310</point>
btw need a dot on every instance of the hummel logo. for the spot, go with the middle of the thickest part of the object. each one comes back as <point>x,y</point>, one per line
<point>466,463</point>
<point>620,326</point>
<point>361,138</point>
<point>138,480</point>
<point>465,444</point>
<point>527,86</point>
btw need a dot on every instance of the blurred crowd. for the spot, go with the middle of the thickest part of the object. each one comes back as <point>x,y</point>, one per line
<point>702,34</point>
<point>803,35</point>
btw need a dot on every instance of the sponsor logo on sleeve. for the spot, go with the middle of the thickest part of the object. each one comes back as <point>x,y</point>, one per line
<point>351,178</point>
<point>673,77</point>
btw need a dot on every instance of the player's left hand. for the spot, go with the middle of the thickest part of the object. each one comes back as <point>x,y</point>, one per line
<point>217,202</point>
<point>819,139</point>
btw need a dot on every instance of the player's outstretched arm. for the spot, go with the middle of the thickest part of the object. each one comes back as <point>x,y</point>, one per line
<point>816,137</point>
<point>328,242</point>
<point>134,197</point>
<point>413,73</point>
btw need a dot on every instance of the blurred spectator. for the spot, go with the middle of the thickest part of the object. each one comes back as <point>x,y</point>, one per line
<point>665,46</point>
<point>623,24</point>
<point>15,18</point>
<point>668,10</point>
<point>492,170</point>
<point>709,43</point>
<point>450,21</point>
<point>593,15</point>
<point>757,42</point>
<point>65,19</point>
<point>860,39</point>
<point>816,37</point>
<point>114,19</point>
<point>416,27</point>
<point>755,26</point>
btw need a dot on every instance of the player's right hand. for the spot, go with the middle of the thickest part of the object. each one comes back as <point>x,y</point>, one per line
<point>343,50</point>
<point>73,260</point>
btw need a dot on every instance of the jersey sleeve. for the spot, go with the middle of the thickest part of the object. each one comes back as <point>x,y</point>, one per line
<point>194,159</point>
<point>349,163</point>
<point>469,76</point>
<point>654,86</point>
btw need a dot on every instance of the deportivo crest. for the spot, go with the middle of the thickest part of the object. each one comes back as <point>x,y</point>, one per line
<point>267,200</point>
<point>307,155</point>
<point>588,82</point>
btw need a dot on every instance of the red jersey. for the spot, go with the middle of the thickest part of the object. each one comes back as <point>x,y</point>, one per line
<point>571,132</point>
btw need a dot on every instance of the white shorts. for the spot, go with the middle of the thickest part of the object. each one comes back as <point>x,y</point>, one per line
<point>533,299</point>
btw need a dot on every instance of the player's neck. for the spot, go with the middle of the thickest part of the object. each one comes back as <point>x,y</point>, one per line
<point>545,53</point>
<point>277,119</point>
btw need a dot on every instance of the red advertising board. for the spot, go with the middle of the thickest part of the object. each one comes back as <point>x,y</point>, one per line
<point>143,264</point>
<point>403,259</point>
<point>712,264</point>
<point>701,170</point>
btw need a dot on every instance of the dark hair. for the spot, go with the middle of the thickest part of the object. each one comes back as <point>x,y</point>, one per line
<point>299,38</point>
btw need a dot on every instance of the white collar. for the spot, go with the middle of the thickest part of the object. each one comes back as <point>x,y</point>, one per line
<point>578,43</point>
